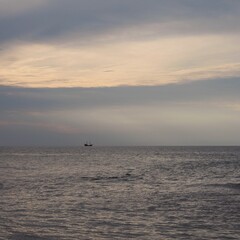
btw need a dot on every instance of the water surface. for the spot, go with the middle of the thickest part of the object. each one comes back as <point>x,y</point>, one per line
<point>120,193</point>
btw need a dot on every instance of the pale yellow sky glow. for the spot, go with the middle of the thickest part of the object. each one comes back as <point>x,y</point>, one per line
<point>143,62</point>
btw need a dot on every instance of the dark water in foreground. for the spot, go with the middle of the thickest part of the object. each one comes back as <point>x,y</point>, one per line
<point>120,193</point>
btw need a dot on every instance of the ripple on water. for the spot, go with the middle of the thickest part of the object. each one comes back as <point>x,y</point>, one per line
<point>235,186</point>
<point>120,193</point>
<point>23,236</point>
<point>125,177</point>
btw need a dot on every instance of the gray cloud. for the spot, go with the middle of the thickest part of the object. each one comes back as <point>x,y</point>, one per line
<point>91,18</point>
<point>91,98</point>
<point>193,113</point>
<point>201,112</point>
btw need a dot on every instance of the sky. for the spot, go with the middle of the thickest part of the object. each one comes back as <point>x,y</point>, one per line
<point>119,72</point>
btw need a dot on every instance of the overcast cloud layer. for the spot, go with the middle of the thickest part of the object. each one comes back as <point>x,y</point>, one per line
<point>48,19</point>
<point>119,72</point>
<point>197,113</point>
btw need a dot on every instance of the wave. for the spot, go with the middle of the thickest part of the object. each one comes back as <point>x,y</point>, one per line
<point>235,186</point>
<point>23,236</point>
<point>126,177</point>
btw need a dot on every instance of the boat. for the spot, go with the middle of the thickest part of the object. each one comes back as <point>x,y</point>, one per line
<point>88,144</point>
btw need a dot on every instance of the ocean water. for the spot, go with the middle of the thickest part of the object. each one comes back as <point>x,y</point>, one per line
<point>120,193</point>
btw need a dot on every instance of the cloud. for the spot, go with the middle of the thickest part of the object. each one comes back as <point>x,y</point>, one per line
<point>66,68</point>
<point>48,100</point>
<point>45,126</point>
<point>200,112</point>
<point>58,18</point>
<point>99,43</point>
<point>152,62</point>
<point>11,8</point>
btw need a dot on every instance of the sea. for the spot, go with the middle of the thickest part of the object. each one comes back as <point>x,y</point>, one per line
<point>161,193</point>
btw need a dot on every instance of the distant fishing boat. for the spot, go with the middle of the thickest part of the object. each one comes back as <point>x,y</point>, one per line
<point>88,144</point>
